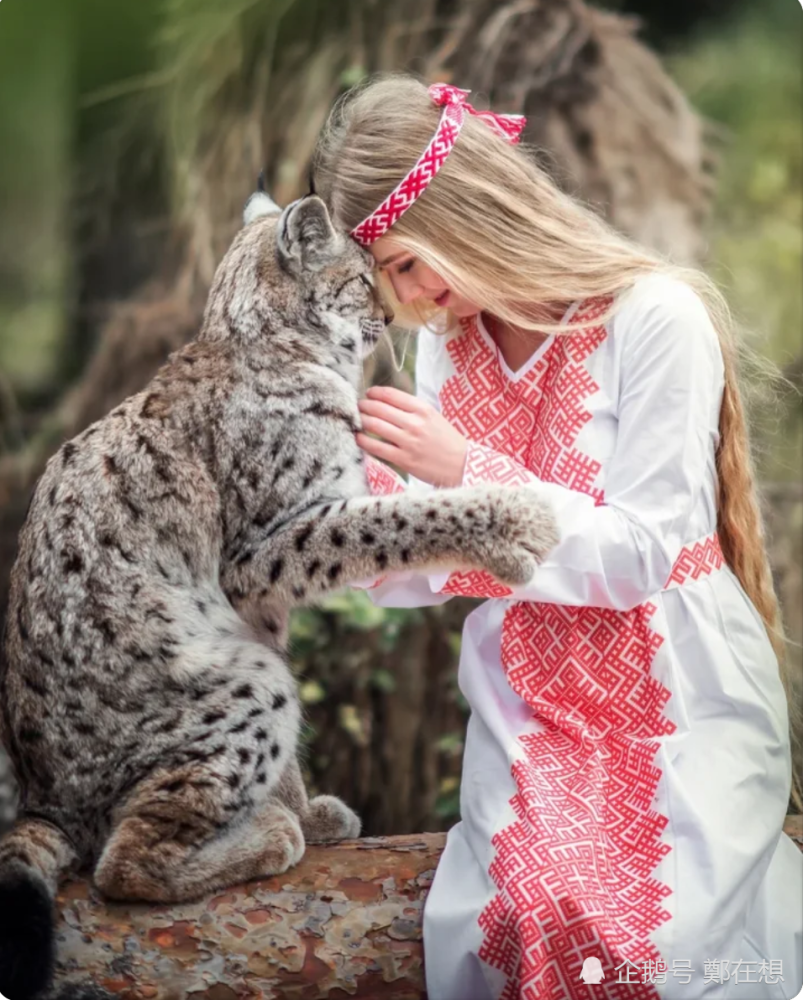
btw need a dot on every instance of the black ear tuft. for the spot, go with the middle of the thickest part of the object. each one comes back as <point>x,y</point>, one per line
<point>261,180</point>
<point>259,204</point>
<point>311,179</point>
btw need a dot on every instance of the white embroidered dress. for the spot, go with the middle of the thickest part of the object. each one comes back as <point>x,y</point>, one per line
<point>627,760</point>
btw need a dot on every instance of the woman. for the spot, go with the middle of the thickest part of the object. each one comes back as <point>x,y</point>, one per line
<point>627,762</point>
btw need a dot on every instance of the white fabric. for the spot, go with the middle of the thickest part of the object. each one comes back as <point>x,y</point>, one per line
<point>736,880</point>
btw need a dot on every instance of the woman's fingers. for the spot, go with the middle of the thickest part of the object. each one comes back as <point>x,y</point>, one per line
<point>389,413</point>
<point>397,397</point>
<point>390,432</point>
<point>380,449</point>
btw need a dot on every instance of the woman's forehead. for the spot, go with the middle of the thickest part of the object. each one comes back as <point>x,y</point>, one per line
<point>385,250</point>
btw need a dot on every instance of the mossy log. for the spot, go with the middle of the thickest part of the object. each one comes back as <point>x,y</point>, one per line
<point>346,922</point>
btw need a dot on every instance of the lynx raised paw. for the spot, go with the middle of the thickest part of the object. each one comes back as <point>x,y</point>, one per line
<point>521,529</point>
<point>329,819</point>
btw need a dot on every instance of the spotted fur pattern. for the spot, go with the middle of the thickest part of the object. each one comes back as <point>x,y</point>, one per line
<point>148,707</point>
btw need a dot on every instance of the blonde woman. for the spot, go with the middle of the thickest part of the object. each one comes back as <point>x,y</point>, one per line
<point>627,759</point>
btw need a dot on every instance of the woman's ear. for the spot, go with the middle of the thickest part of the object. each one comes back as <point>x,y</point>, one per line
<point>305,234</point>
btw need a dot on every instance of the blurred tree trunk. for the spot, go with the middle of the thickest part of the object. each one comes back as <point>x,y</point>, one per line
<point>250,84</point>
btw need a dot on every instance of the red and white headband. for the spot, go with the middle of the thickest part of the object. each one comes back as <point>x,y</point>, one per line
<point>454,103</point>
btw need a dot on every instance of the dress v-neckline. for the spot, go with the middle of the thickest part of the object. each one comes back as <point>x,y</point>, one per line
<point>519,373</point>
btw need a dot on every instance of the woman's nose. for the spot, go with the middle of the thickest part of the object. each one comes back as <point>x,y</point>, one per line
<point>405,288</point>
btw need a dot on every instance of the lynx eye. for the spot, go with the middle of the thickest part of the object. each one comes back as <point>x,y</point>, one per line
<point>350,281</point>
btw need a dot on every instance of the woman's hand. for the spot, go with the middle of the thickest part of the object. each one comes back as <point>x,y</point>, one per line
<point>415,437</point>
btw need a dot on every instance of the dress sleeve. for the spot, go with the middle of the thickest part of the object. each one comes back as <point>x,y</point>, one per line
<point>618,552</point>
<point>409,589</point>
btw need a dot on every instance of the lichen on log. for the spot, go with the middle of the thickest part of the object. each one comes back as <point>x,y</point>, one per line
<point>345,922</point>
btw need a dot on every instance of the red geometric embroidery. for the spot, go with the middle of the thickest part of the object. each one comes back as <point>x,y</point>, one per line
<point>529,424</point>
<point>475,583</point>
<point>697,560</point>
<point>484,465</point>
<point>416,181</point>
<point>573,872</point>
<point>382,479</point>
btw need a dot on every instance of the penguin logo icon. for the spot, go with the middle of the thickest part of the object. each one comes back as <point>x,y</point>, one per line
<point>592,971</point>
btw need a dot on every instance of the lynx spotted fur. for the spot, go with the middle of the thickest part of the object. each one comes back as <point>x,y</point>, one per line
<point>147,706</point>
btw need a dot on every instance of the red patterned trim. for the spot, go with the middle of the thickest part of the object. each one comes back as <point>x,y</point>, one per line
<point>382,479</point>
<point>695,560</point>
<point>484,465</point>
<point>573,870</point>
<point>475,583</point>
<point>525,425</point>
<point>585,791</point>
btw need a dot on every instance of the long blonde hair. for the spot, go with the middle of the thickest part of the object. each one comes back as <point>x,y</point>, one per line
<point>498,231</point>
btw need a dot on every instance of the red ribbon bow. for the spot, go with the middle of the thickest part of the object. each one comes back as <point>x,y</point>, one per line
<point>508,126</point>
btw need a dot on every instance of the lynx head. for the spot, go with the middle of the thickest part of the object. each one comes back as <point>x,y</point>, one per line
<point>289,273</point>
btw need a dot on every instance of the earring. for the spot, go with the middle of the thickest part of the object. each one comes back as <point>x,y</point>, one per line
<point>398,366</point>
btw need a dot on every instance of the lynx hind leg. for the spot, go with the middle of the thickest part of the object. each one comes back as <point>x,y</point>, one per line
<point>208,817</point>
<point>175,844</point>
<point>325,818</point>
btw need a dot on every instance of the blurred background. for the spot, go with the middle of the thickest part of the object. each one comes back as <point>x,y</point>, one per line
<point>131,134</point>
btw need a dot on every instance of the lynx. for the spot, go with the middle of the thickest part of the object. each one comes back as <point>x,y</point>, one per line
<point>148,706</point>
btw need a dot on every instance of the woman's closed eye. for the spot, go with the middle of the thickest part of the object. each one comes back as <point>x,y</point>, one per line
<point>405,267</point>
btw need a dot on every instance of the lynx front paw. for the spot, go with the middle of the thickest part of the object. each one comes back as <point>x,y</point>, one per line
<point>282,841</point>
<point>329,819</point>
<point>521,531</point>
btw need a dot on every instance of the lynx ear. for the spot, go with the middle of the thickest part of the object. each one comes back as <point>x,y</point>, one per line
<point>259,205</point>
<point>306,236</point>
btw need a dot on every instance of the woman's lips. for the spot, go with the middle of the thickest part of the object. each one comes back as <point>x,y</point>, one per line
<point>441,299</point>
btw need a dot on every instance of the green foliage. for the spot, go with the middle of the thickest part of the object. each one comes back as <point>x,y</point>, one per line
<point>311,692</point>
<point>206,46</point>
<point>450,743</point>
<point>355,612</point>
<point>447,804</point>
<point>383,680</point>
<point>36,57</point>
<point>745,75</point>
